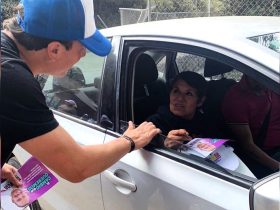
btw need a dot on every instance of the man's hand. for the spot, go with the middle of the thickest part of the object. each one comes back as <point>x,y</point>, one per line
<point>143,134</point>
<point>9,172</point>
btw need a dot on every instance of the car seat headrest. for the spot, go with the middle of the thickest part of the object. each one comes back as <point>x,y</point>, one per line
<point>145,70</point>
<point>213,68</point>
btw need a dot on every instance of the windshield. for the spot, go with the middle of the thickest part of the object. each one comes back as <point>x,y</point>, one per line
<point>271,41</point>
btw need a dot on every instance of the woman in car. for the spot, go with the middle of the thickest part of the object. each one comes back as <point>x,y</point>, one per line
<point>183,118</point>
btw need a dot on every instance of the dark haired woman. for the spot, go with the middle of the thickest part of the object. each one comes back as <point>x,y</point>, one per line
<point>182,119</point>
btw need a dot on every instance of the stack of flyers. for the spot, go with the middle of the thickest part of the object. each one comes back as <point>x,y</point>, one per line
<point>214,150</point>
<point>36,180</point>
<point>205,146</point>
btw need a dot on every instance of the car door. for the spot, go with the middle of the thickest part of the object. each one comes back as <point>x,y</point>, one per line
<point>75,102</point>
<point>156,178</point>
<point>146,180</point>
<point>265,193</point>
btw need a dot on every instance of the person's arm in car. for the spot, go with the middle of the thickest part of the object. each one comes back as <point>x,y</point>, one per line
<point>58,150</point>
<point>244,138</point>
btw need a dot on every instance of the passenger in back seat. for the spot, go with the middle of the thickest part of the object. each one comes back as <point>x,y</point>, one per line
<point>252,114</point>
<point>182,120</point>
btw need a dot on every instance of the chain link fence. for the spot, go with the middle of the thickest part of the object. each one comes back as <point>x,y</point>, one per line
<point>111,13</point>
<point>170,9</point>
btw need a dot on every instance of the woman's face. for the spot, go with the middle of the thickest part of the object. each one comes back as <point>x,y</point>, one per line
<point>183,100</point>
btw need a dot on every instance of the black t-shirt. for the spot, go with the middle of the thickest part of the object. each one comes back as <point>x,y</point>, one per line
<point>23,113</point>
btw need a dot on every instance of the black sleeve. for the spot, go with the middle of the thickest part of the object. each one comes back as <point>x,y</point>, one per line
<point>24,113</point>
<point>160,123</point>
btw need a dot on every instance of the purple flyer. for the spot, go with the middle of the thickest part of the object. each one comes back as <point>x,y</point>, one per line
<point>205,146</point>
<point>36,180</point>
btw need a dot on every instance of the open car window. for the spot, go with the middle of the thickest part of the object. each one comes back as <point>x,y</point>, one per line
<point>149,93</point>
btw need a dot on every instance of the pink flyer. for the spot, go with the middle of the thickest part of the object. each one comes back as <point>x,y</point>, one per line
<point>36,179</point>
<point>205,146</point>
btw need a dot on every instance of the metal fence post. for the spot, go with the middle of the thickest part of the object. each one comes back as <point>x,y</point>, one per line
<point>209,8</point>
<point>149,10</point>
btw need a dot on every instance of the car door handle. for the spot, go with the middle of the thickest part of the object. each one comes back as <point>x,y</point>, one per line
<point>119,182</point>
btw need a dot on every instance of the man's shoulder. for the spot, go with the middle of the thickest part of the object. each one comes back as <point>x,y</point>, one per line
<point>17,71</point>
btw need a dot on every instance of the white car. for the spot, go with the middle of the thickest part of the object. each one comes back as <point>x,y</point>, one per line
<point>100,95</point>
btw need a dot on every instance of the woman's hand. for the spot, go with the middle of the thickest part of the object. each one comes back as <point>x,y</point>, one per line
<point>176,138</point>
<point>9,172</point>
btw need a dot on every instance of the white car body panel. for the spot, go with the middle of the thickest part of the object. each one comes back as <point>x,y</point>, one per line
<point>216,194</point>
<point>204,30</point>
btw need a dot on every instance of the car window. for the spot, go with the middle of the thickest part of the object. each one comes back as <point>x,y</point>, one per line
<point>145,93</point>
<point>271,41</point>
<point>190,62</point>
<point>150,92</point>
<point>159,58</point>
<point>77,93</point>
<point>161,66</point>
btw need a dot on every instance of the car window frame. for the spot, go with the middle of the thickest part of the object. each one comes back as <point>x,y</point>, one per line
<point>194,48</point>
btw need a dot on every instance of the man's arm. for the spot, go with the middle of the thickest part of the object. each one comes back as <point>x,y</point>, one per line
<point>244,138</point>
<point>58,150</point>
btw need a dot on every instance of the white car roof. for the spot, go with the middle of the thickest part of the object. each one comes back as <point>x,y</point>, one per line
<point>230,32</point>
<point>235,26</point>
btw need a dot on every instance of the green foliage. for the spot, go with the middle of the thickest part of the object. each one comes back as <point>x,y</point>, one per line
<point>255,7</point>
<point>108,10</point>
<point>174,6</point>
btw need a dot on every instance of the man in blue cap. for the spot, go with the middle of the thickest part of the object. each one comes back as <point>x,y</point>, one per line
<point>49,38</point>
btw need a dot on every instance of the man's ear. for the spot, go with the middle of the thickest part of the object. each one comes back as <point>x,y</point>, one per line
<point>201,101</point>
<point>55,50</point>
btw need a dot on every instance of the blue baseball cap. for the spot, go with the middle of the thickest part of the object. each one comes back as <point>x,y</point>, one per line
<point>64,20</point>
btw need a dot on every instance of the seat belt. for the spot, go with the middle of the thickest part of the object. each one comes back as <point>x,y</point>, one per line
<point>84,98</point>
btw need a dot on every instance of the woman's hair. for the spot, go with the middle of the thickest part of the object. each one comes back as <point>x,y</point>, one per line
<point>193,79</point>
<point>29,41</point>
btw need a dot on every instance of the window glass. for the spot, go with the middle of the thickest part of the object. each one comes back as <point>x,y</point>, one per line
<point>190,62</point>
<point>272,41</point>
<point>234,74</point>
<point>159,58</point>
<point>77,93</point>
<point>161,65</point>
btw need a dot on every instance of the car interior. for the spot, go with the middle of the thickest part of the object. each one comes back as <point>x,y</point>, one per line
<point>149,89</point>
<point>217,89</point>
<point>71,95</point>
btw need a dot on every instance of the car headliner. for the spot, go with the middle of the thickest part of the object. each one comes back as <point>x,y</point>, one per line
<point>230,33</point>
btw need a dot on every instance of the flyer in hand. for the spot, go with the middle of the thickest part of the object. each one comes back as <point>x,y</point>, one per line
<point>36,180</point>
